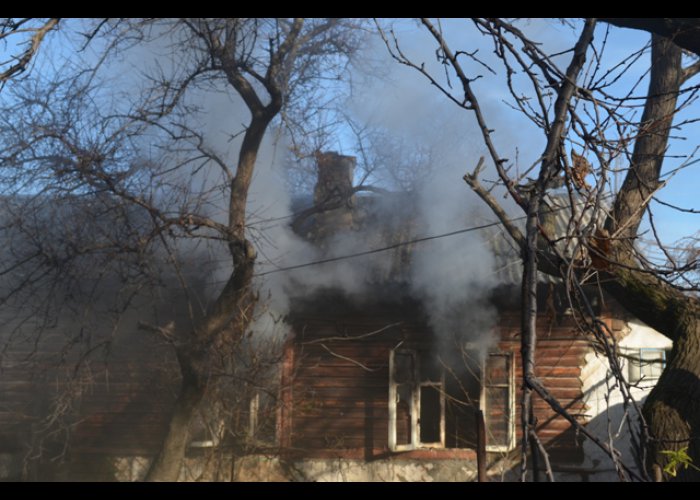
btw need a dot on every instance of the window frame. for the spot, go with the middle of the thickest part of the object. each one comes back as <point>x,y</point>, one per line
<point>510,385</point>
<point>636,360</point>
<point>416,384</point>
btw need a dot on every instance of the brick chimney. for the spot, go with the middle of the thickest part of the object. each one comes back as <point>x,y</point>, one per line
<point>335,175</point>
<point>333,189</point>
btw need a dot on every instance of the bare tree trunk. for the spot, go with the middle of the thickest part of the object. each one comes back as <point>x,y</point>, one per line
<point>673,407</point>
<point>548,171</point>
<point>672,410</point>
<point>642,179</point>
<point>529,324</point>
<point>684,31</point>
<point>167,464</point>
<point>230,316</point>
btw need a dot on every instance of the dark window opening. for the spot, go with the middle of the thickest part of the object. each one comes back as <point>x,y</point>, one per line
<point>460,411</point>
<point>430,414</point>
<point>434,406</point>
<point>404,406</point>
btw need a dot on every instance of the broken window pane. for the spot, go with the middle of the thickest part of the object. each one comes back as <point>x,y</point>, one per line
<point>417,407</point>
<point>404,394</point>
<point>404,367</point>
<point>430,369</point>
<point>430,414</point>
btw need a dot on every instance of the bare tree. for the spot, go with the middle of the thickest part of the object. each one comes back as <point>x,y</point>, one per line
<point>22,38</point>
<point>684,32</point>
<point>576,108</point>
<point>66,139</point>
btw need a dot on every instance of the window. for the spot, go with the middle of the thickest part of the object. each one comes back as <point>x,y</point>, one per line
<point>416,401</point>
<point>497,402</point>
<point>428,409</point>
<point>646,364</point>
<point>206,429</point>
<point>249,422</point>
<point>262,418</point>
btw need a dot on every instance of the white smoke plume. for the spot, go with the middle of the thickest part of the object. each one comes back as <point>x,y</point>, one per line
<point>452,276</point>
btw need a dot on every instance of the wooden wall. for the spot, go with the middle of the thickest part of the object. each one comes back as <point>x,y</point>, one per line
<point>559,358</point>
<point>335,384</point>
<point>339,384</point>
<point>118,405</point>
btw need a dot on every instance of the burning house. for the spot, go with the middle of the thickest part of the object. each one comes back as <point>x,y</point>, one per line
<point>390,383</point>
<point>403,367</point>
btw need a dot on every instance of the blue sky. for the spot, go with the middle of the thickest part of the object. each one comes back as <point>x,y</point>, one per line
<point>403,102</point>
<point>404,99</point>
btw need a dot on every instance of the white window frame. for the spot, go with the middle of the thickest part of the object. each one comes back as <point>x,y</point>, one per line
<point>213,432</point>
<point>636,356</point>
<point>254,409</point>
<point>415,404</point>
<point>511,401</point>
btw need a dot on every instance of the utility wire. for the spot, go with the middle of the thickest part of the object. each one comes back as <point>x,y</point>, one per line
<point>398,245</point>
<point>382,249</point>
<point>391,247</point>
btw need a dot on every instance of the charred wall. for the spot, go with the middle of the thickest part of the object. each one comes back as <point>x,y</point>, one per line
<point>340,376</point>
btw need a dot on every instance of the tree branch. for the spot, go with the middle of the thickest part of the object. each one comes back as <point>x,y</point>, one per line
<point>23,61</point>
<point>690,71</point>
<point>684,32</point>
<point>473,182</point>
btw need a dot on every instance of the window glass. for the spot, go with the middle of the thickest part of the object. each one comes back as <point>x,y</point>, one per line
<point>498,401</point>
<point>404,407</point>
<point>430,414</point>
<point>646,364</point>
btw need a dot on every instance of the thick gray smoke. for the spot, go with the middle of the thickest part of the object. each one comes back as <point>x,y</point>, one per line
<point>452,276</point>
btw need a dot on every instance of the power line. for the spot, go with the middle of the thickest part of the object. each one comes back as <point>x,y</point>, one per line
<point>383,249</point>
<point>374,250</point>
<point>396,245</point>
<point>400,244</point>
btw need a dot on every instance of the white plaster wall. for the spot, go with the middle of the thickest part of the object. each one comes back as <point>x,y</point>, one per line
<point>604,401</point>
